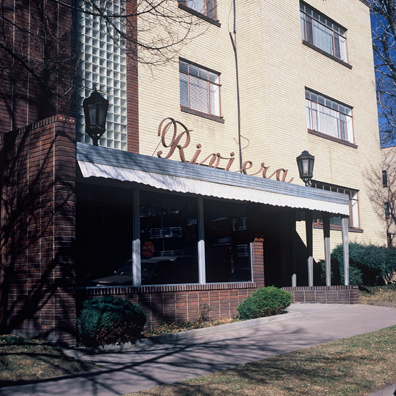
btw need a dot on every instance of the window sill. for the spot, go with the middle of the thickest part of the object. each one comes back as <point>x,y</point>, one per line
<point>338,228</point>
<point>308,44</point>
<point>199,15</point>
<point>332,138</point>
<point>203,115</point>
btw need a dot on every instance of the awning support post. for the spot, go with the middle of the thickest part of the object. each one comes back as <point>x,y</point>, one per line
<point>294,249</point>
<point>308,231</point>
<point>345,247</point>
<point>201,243</point>
<point>136,263</point>
<point>326,235</point>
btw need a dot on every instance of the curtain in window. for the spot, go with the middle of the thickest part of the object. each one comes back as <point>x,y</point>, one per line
<point>214,100</point>
<point>323,38</point>
<point>309,116</point>
<point>329,122</point>
<point>211,11</point>
<point>197,5</point>
<point>302,21</point>
<point>349,128</point>
<point>315,117</point>
<point>199,99</point>
<point>183,79</point>
<point>343,49</point>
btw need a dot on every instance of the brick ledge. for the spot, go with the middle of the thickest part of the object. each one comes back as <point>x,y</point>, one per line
<point>166,289</point>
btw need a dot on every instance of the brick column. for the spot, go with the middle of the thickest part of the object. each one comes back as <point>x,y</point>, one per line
<point>258,262</point>
<point>40,229</point>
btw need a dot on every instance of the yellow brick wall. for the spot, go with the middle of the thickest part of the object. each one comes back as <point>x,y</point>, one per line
<point>274,69</point>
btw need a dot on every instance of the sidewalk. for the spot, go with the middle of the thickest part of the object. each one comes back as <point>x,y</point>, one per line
<point>184,357</point>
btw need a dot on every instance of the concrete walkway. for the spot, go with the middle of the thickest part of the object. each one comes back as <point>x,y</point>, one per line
<point>181,358</point>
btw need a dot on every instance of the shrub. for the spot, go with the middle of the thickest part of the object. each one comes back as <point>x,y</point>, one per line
<point>264,302</point>
<point>368,264</point>
<point>109,320</point>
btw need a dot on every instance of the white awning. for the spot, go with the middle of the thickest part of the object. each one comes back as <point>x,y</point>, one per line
<point>317,200</point>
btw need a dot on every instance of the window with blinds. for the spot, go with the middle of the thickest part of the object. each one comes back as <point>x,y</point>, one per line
<point>322,32</point>
<point>102,66</point>
<point>328,116</point>
<point>199,88</point>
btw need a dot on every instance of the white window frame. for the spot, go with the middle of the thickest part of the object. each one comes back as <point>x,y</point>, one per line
<point>199,88</point>
<point>323,33</point>
<point>328,116</point>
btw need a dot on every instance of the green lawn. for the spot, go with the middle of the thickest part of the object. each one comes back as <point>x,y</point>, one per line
<point>351,366</point>
<point>23,360</point>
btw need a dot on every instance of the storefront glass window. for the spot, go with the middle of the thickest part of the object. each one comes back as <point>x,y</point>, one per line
<point>227,246</point>
<point>104,236</point>
<point>169,239</point>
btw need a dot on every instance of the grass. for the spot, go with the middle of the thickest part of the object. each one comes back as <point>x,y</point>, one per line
<point>378,295</point>
<point>23,360</point>
<point>351,366</point>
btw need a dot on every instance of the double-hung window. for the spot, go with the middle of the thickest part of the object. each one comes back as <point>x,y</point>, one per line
<point>329,117</point>
<point>199,88</point>
<point>322,32</point>
<point>205,7</point>
<point>353,204</point>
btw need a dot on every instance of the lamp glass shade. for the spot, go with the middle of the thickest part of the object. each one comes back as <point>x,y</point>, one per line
<point>95,110</point>
<point>305,163</point>
<point>92,114</point>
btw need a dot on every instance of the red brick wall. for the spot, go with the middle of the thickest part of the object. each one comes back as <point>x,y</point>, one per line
<point>182,302</point>
<point>258,262</point>
<point>325,295</point>
<point>36,81</point>
<point>40,229</point>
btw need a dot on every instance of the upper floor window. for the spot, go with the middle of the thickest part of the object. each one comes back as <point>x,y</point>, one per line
<point>206,7</point>
<point>199,88</point>
<point>322,32</point>
<point>387,209</point>
<point>384,178</point>
<point>328,116</point>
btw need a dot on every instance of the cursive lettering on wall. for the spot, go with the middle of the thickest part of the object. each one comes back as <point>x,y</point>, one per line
<point>180,141</point>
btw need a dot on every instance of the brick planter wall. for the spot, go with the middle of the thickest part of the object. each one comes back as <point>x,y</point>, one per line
<point>38,211</point>
<point>325,294</point>
<point>180,302</point>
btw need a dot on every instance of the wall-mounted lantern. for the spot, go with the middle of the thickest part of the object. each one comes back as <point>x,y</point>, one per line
<point>305,162</point>
<point>95,110</point>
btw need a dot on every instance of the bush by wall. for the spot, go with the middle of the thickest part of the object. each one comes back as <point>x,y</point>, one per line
<point>264,302</point>
<point>368,264</point>
<point>109,320</point>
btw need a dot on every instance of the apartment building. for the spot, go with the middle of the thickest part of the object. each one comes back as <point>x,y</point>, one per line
<point>193,198</point>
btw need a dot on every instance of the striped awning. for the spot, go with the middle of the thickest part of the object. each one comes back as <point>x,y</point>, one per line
<point>188,178</point>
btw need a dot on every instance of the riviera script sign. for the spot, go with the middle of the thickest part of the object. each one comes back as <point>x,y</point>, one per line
<point>182,140</point>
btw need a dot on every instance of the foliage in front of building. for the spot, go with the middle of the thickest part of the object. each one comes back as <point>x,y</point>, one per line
<point>264,302</point>
<point>109,320</point>
<point>369,265</point>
